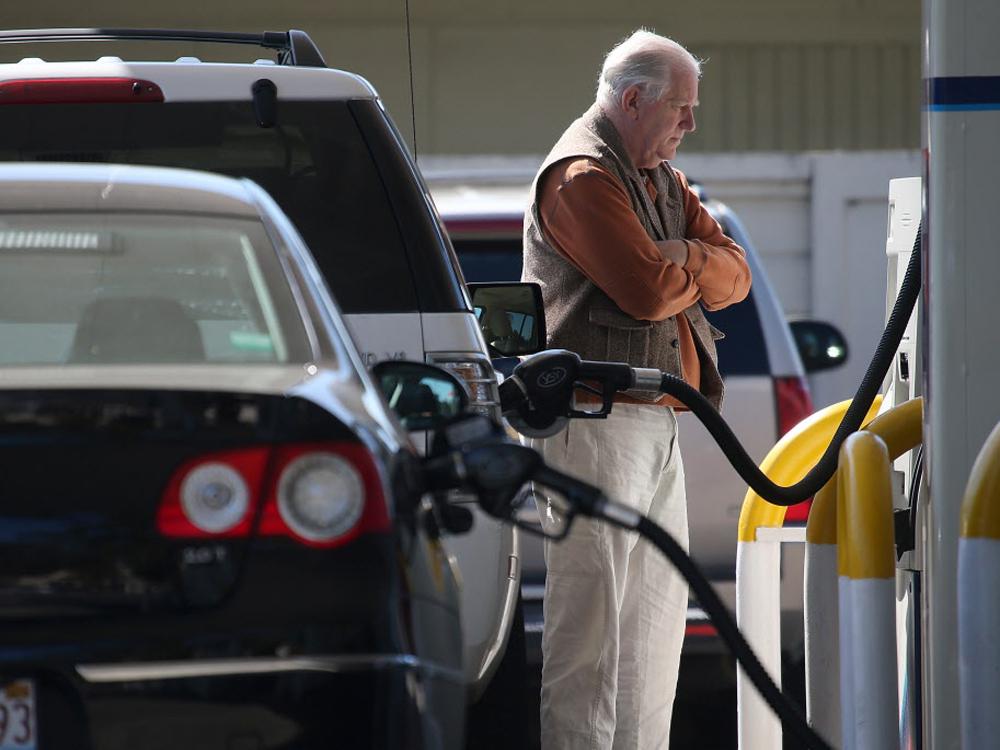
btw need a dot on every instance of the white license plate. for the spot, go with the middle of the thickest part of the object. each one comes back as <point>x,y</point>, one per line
<point>18,727</point>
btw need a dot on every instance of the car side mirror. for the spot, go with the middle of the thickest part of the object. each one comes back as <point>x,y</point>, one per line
<point>821,345</point>
<point>511,316</point>
<point>424,397</point>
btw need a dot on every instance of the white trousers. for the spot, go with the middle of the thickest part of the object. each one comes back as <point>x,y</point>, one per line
<point>615,609</point>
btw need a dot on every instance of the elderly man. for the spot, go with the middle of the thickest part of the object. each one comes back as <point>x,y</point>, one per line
<point>627,257</point>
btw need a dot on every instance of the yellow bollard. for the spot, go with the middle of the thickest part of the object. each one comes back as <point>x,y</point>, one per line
<point>866,564</point>
<point>901,430</point>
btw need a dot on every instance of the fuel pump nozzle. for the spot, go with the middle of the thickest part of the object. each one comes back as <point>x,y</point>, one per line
<point>537,398</point>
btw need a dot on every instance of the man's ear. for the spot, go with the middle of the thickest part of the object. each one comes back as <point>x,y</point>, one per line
<point>630,100</point>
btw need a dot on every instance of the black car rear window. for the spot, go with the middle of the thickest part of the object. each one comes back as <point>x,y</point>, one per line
<point>91,288</point>
<point>316,163</point>
<point>742,352</point>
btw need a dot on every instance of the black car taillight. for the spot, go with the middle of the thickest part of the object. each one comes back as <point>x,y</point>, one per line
<point>214,495</point>
<point>79,91</point>
<point>793,404</point>
<point>320,494</point>
<point>324,494</point>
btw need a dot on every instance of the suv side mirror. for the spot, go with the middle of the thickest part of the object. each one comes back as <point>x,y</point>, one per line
<point>511,316</point>
<point>821,345</point>
<point>423,396</point>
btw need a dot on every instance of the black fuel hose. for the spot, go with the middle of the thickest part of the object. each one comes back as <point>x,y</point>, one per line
<point>494,468</point>
<point>820,474</point>
<point>786,709</point>
<point>591,502</point>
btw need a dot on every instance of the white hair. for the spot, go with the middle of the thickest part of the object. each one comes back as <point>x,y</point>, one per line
<point>646,60</point>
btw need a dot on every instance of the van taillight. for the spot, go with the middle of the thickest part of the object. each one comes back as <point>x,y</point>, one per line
<point>320,494</point>
<point>479,378</point>
<point>79,91</point>
<point>793,404</point>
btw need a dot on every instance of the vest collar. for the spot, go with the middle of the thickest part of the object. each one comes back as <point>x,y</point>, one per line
<point>600,124</point>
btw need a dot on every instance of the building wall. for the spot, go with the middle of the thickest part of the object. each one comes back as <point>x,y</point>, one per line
<point>506,76</point>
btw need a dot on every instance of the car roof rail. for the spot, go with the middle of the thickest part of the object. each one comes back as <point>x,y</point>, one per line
<point>294,47</point>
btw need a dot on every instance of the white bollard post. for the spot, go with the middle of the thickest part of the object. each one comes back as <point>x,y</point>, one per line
<point>758,613</point>
<point>821,613</point>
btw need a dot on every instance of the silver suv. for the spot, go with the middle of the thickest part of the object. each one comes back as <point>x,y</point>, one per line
<point>320,142</point>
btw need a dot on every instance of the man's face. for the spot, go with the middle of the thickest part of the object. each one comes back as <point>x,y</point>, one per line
<point>660,125</point>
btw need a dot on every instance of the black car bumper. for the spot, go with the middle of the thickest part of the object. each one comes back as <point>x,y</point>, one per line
<point>343,701</point>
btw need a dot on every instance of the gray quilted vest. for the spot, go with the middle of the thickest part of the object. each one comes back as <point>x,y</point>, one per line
<point>582,318</point>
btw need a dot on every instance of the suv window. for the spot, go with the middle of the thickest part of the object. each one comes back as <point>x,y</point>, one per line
<point>316,163</point>
<point>742,352</point>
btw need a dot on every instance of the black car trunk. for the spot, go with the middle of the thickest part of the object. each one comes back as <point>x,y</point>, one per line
<point>83,474</point>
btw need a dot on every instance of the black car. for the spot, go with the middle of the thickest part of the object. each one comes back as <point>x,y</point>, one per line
<point>212,529</point>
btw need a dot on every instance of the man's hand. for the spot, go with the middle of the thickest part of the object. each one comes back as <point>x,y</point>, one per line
<point>676,251</point>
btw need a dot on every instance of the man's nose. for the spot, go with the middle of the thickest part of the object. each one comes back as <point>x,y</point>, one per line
<point>688,123</point>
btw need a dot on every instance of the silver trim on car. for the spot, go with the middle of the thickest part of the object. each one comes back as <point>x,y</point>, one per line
<point>336,664</point>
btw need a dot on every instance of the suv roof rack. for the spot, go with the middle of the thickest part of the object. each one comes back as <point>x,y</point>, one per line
<point>294,47</point>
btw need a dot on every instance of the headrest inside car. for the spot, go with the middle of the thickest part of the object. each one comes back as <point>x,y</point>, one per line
<point>136,330</point>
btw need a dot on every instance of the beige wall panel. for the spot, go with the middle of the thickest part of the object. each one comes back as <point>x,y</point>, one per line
<point>737,83</point>
<point>841,86</point>
<point>893,111</point>
<point>790,88</point>
<point>868,87</point>
<point>763,94</point>
<point>912,86</point>
<point>711,132</point>
<point>510,92</point>
<point>817,102</point>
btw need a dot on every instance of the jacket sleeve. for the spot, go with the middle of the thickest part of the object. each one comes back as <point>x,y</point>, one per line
<point>587,216</point>
<point>718,264</point>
